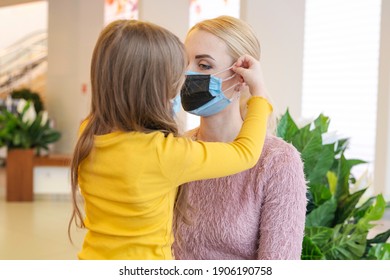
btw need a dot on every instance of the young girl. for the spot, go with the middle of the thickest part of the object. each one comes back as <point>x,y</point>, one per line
<point>129,160</point>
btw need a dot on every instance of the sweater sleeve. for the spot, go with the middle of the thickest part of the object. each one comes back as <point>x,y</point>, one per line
<point>184,160</point>
<point>283,211</point>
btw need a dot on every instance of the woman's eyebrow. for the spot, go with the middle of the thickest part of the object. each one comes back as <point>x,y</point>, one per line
<point>203,56</point>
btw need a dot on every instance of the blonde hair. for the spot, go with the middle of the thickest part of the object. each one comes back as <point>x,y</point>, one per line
<point>240,39</point>
<point>137,68</point>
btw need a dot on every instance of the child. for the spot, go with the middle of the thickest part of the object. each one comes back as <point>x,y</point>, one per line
<point>129,160</point>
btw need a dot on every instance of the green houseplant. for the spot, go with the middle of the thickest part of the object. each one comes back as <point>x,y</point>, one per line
<point>24,128</point>
<point>337,220</point>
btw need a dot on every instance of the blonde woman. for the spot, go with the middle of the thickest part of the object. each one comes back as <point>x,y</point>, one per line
<point>258,213</point>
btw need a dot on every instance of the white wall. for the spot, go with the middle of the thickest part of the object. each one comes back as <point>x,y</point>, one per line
<point>73,30</point>
<point>171,14</point>
<point>279,25</point>
<point>51,180</point>
<point>382,155</point>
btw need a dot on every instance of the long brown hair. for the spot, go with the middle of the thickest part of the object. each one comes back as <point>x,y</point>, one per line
<point>137,68</point>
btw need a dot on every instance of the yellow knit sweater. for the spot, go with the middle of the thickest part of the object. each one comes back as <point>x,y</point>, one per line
<point>130,180</point>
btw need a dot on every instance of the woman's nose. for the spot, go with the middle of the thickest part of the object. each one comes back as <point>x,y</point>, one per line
<point>191,67</point>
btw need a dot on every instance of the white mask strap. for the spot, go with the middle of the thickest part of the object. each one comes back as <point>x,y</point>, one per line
<point>229,88</point>
<point>224,70</point>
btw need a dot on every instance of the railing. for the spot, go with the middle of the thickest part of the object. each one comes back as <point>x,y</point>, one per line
<point>23,59</point>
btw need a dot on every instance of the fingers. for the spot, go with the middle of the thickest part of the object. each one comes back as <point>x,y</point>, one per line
<point>243,64</point>
<point>240,71</point>
<point>249,70</point>
<point>245,61</point>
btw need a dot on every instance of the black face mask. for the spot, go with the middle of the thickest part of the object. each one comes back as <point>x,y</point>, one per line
<point>195,92</point>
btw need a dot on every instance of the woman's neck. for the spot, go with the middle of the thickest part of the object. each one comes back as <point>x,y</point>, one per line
<point>223,127</point>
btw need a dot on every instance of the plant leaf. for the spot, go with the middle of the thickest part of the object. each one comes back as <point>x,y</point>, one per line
<point>360,211</point>
<point>346,206</point>
<point>286,128</point>
<point>380,238</point>
<point>343,173</point>
<point>320,236</point>
<point>342,145</point>
<point>322,122</point>
<point>321,164</point>
<point>320,194</point>
<point>302,137</point>
<point>374,213</point>
<point>347,243</point>
<point>310,251</point>
<point>332,181</point>
<point>323,215</point>
<point>380,251</point>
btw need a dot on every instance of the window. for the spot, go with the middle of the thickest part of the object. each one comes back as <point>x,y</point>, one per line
<point>340,78</point>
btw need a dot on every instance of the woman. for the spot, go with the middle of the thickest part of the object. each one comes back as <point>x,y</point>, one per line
<point>258,213</point>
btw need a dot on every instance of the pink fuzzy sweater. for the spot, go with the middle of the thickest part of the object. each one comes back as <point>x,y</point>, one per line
<point>256,214</point>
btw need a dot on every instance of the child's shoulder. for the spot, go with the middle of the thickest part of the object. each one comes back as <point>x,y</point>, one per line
<point>191,133</point>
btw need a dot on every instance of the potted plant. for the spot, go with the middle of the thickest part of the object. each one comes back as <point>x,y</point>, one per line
<point>25,129</point>
<point>338,220</point>
<point>25,133</point>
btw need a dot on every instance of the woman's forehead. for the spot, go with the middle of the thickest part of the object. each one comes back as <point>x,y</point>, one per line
<point>200,42</point>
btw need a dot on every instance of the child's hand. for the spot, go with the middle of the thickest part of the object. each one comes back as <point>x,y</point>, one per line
<point>251,74</point>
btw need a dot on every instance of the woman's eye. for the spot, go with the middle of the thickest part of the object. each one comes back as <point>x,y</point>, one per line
<point>204,67</point>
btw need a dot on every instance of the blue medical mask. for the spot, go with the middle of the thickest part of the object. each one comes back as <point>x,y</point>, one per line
<point>176,104</point>
<point>202,94</point>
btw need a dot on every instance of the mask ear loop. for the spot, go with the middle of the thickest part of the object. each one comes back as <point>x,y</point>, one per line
<point>234,95</point>
<point>224,70</point>
<point>227,79</point>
